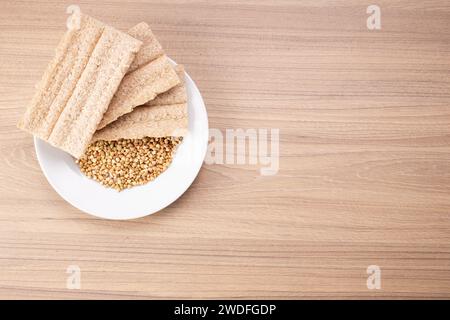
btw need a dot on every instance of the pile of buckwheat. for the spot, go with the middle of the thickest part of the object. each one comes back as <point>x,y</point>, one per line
<point>127,162</point>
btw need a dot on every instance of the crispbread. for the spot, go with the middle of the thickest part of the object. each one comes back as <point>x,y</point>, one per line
<point>61,77</point>
<point>139,87</point>
<point>144,121</point>
<point>175,95</point>
<point>144,83</point>
<point>166,116</point>
<point>78,85</point>
<point>151,48</point>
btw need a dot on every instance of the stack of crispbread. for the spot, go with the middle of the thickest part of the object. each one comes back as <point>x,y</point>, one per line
<point>78,85</point>
<point>164,116</point>
<point>122,85</point>
<point>150,75</point>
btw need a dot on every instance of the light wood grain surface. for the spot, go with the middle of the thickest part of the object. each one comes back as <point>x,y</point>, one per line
<point>364,177</point>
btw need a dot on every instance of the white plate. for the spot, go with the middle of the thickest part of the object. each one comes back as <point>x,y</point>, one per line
<point>89,196</point>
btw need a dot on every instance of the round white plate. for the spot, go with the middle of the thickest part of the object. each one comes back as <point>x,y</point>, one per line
<point>89,196</point>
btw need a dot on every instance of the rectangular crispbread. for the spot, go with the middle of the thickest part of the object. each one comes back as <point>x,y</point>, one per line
<point>79,84</point>
<point>153,74</point>
<point>169,117</point>
<point>155,121</point>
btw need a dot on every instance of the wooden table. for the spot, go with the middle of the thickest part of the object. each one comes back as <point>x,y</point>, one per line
<point>364,179</point>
